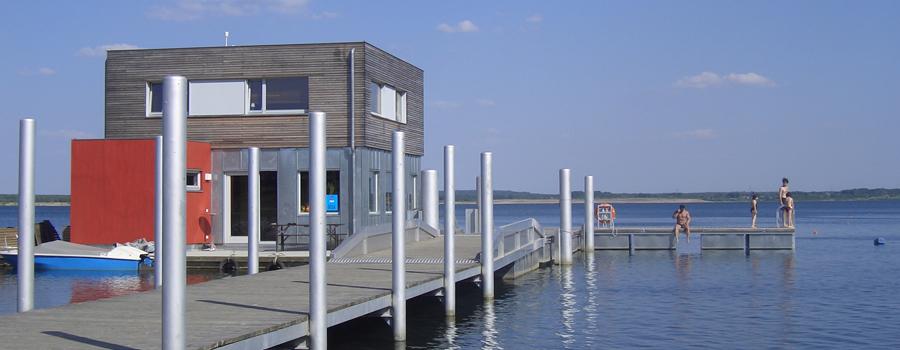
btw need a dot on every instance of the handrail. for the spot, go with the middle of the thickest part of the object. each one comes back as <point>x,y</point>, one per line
<point>531,229</point>
<point>360,238</point>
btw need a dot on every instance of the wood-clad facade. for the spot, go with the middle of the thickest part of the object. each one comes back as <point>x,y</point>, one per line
<point>326,65</point>
<point>335,72</point>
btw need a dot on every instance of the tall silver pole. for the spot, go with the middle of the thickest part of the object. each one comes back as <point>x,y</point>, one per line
<point>565,217</point>
<point>253,210</point>
<point>318,306</point>
<point>158,215</point>
<point>398,247</point>
<point>487,227</point>
<point>589,214</point>
<point>430,199</point>
<point>174,159</point>
<point>25,263</point>
<point>449,232</point>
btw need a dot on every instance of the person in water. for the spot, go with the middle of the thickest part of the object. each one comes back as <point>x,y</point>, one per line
<point>788,210</point>
<point>754,201</point>
<point>782,199</point>
<point>682,221</point>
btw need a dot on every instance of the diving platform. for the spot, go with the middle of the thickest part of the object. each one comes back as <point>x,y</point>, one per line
<point>711,238</point>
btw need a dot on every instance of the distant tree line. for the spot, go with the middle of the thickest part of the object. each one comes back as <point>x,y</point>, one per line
<point>41,198</point>
<point>851,194</point>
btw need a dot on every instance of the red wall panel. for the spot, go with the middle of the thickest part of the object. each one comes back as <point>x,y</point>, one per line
<point>112,191</point>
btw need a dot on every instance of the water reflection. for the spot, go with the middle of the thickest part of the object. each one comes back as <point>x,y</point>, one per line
<point>568,305</point>
<point>489,336</point>
<point>450,333</point>
<point>590,279</point>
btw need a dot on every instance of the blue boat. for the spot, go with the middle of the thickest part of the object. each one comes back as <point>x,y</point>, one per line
<point>62,255</point>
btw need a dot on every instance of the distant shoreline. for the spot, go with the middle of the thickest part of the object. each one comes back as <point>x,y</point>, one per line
<point>38,204</point>
<point>596,200</point>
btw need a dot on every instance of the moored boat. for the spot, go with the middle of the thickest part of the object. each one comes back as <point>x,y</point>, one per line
<point>62,255</point>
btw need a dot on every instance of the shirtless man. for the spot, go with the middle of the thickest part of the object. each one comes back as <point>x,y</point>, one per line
<point>754,202</point>
<point>682,221</point>
<point>782,199</point>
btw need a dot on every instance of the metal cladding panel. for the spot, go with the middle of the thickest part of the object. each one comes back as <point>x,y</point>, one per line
<point>368,161</point>
<point>113,191</point>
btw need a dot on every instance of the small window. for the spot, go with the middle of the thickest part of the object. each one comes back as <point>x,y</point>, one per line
<point>256,94</point>
<point>154,98</point>
<point>287,94</point>
<point>373,193</point>
<point>387,102</point>
<point>413,194</point>
<point>192,181</point>
<point>374,95</point>
<point>332,191</point>
<point>389,193</point>
<point>401,107</point>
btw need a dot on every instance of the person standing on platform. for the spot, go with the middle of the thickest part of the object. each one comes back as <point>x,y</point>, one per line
<point>789,210</point>
<point>782,199</point>
<point>754,201</point>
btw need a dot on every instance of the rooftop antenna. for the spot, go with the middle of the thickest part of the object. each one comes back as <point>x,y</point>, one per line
<point>226,38</point>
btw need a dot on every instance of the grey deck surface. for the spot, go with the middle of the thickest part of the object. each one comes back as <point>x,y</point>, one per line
<point>223,311</point>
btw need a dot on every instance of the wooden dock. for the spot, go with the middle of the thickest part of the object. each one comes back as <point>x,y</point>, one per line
<point>262,310</point>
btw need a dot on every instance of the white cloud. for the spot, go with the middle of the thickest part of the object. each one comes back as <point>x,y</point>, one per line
<point>66,134</point>
<point>188,10</point>
<point>441,104</point>
<point>100,51</point>
<point>45,71</point>
<point>485,102</point>
<point>700,81</point>
<point>749,79</point>
<point>535,18</point>
<point>697,134</point>
<point>465,26</point>
<point>710,79</point>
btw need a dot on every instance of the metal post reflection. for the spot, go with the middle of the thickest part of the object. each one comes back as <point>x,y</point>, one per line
<point>489,334</point>
<point>568,306</point>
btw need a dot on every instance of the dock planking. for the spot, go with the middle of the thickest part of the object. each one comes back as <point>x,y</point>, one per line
<point>254,311</point>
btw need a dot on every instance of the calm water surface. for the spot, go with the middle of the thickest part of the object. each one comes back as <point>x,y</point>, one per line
<point>836,290</point>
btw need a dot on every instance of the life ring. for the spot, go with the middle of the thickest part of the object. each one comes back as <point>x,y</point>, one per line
<point>605,213</point>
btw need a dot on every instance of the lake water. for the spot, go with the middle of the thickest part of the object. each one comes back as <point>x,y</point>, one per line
<point>837,290</point>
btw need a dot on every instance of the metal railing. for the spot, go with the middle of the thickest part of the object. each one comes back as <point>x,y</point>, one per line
<point>512,237</point>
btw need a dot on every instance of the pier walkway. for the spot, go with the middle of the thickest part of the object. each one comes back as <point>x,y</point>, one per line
<point>266,309</point>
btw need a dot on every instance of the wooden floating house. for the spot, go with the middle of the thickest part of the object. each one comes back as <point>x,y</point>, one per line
<point>250,96</point>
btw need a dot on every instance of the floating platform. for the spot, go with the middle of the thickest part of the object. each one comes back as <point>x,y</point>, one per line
<point>270,308</point>
<point>722,238</point>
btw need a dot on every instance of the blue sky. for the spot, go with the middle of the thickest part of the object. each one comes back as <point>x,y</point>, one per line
<point>646,96</point>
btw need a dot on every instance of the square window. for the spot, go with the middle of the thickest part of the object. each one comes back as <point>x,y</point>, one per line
<point>287,94</point>
<point>332,190</point>
<point>192,181</point>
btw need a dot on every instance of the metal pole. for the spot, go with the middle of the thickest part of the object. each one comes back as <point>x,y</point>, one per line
<point>158,215</point>
<point>174,159</point>
<point>589,214</point>
<point>630,244</point>
<point>25,259</point>
<point>430,198</point>
<point>398,247</point>
<point>478,203</point>
<point>746,244</point>
<point>449,232</point>
<point>318,306</point>
<point>487,227</point>
<point>565,217</point>
<point>253,223</point>
<point>351,229</point>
